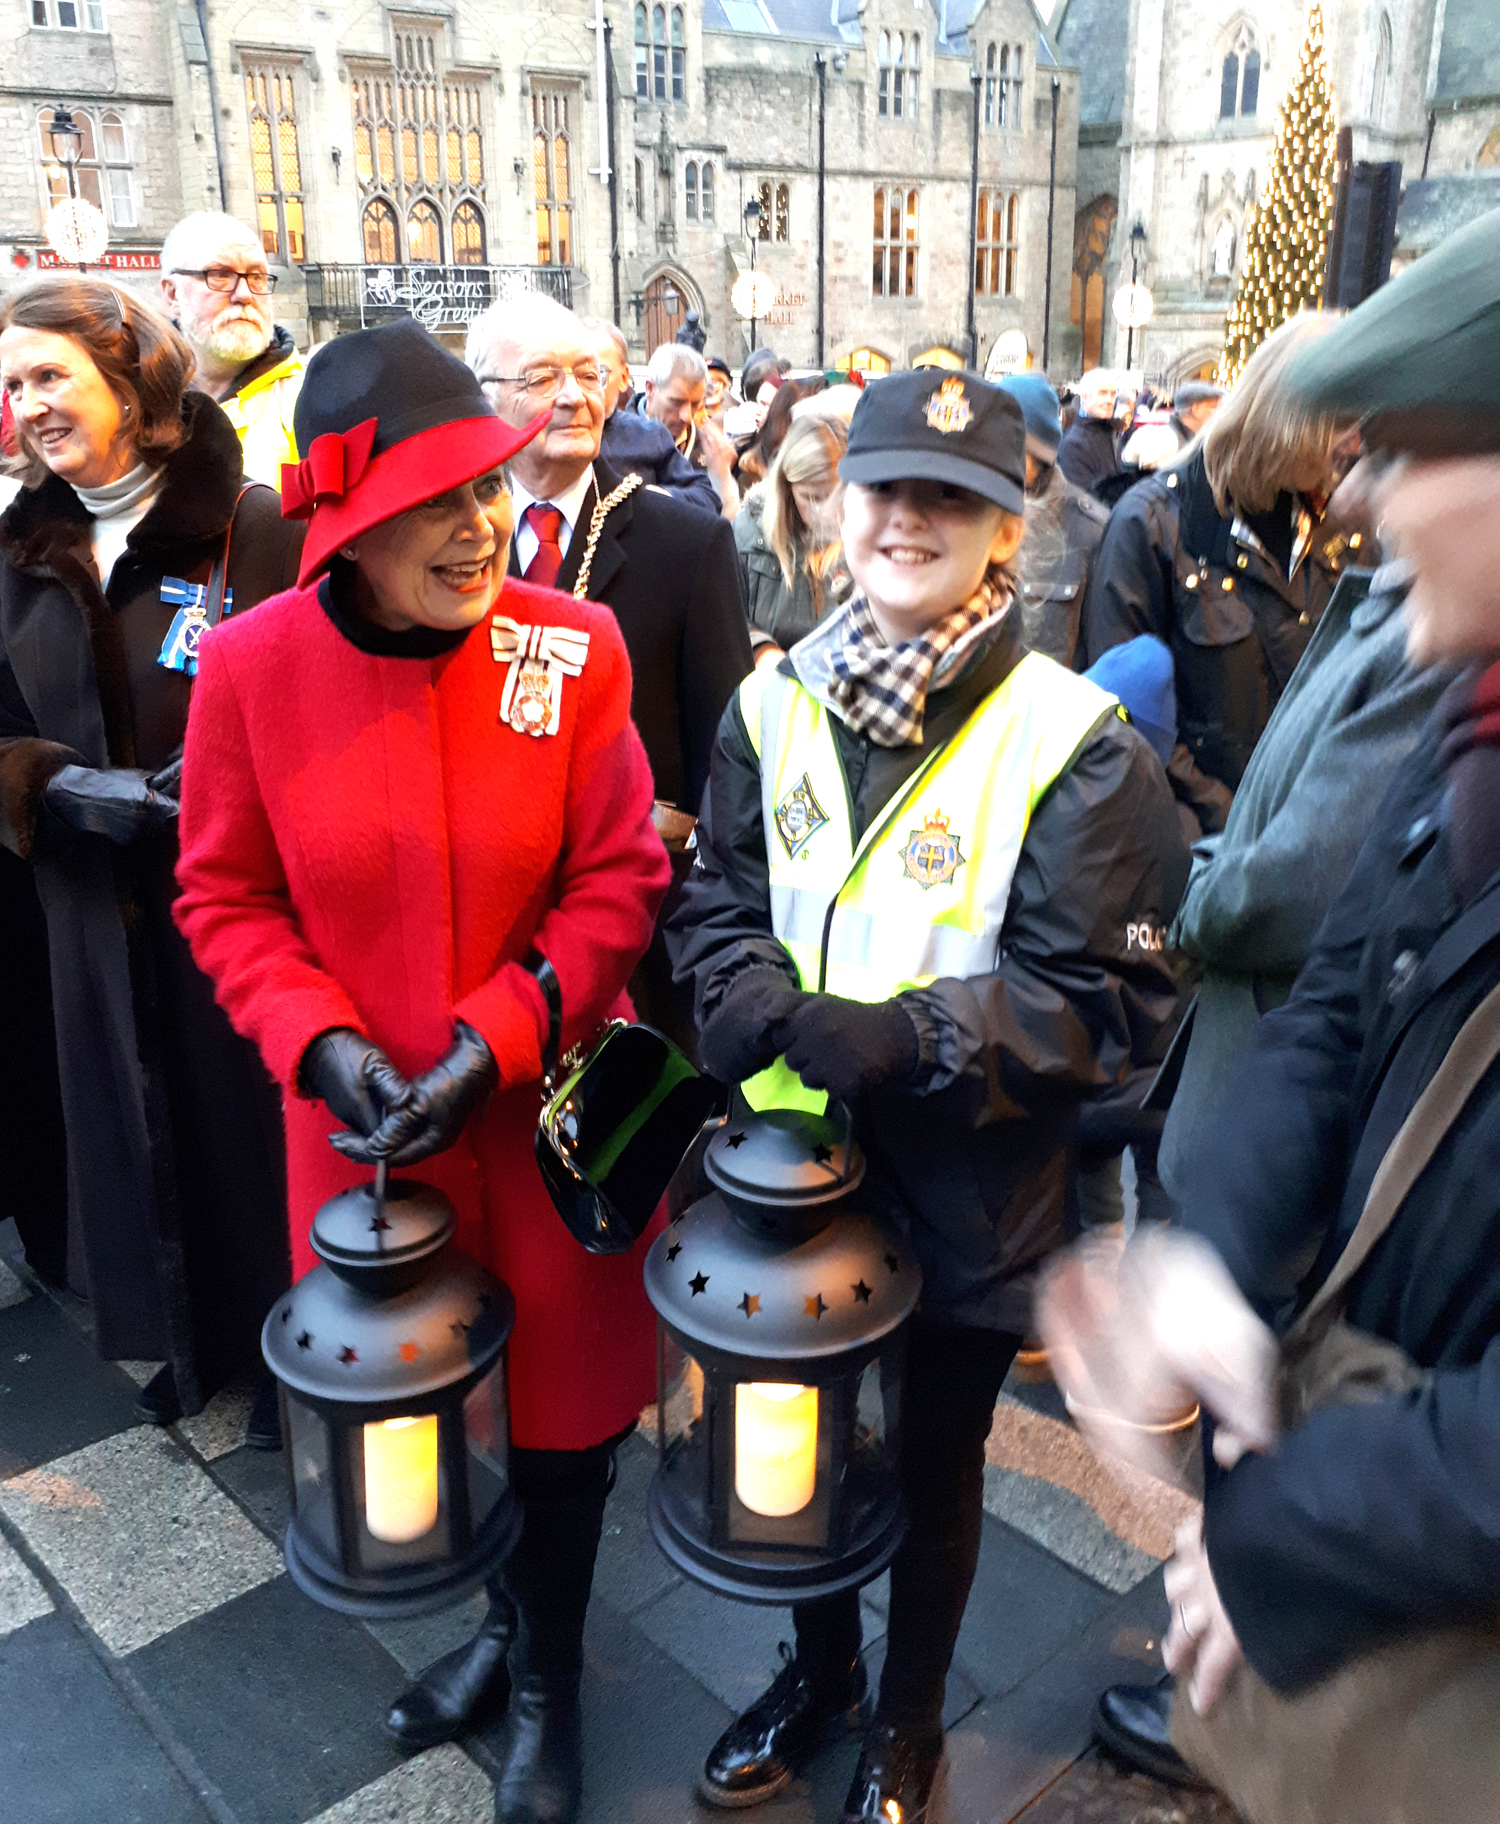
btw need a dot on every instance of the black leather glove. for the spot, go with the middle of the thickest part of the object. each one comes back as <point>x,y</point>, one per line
<point>848,1046</point>
<point>354,1077</point>
<point>116,802</point>
<point>439,1103</point>
<point>168,782</point>
<point>737,1040</point>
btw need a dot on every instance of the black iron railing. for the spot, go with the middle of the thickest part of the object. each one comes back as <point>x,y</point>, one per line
<point>441,297</point>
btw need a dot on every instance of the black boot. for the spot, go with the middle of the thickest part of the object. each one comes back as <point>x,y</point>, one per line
<point>761,1752</point>
<point>464,1686</point>
<point>157,1401</point>
<point>1134,1724</point>
<point>549,1578</point>
<point>894,1778</point>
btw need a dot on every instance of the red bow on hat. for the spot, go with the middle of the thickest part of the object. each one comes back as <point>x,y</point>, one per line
<point>328,471</point>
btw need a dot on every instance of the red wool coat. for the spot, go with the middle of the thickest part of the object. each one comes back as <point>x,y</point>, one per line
<point>365,844</point>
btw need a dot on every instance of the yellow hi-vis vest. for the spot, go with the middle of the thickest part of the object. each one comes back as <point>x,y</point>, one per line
<point>923,893</point>
<point>262,414</point>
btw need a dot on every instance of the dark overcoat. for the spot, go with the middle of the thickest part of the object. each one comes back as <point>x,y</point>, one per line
<point>175,1198</point>
<point>1370,1520</point>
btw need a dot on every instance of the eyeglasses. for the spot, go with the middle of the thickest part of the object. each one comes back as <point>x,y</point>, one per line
<point>225,278</point>
<point>543,384</point>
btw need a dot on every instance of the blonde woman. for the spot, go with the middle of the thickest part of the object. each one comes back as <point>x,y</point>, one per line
<point>1224,557</point>
<point>791,556</point>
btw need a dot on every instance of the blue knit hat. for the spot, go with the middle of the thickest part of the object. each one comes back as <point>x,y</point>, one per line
<point>1038,402</point>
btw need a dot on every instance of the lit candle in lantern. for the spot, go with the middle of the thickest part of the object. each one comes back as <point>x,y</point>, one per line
<point>401,1478</point>
<point>775,1446</point>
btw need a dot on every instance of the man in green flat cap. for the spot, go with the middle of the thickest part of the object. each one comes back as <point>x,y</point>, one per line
<point>1374,1523</point>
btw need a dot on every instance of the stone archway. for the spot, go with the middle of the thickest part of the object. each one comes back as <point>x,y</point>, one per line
<point>669,296</point>
<point>1092,227</point>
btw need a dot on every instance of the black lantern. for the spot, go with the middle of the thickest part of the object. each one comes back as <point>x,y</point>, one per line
<point>66,139</point>
<point>394,1407</point>
<point>780,1361</point>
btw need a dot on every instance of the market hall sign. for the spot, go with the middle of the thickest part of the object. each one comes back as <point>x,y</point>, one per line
<point>781,311</point>
<point>144,259</point>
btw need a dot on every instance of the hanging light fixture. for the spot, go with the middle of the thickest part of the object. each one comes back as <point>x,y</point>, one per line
<point>391,1360</point>
<point>780,1362</point>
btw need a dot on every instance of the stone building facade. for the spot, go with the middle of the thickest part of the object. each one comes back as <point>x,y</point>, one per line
<point>430,157</point>
<point>1178,117</point>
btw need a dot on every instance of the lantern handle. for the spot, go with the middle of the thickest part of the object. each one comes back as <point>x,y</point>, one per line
<point>382,1170</point>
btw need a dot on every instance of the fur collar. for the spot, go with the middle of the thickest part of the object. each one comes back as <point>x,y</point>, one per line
<point>199,491</point>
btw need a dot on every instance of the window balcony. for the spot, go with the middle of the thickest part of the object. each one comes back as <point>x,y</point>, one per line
<point>439,297</point>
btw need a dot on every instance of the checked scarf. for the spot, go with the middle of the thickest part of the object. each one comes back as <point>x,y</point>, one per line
<point>880,690</point>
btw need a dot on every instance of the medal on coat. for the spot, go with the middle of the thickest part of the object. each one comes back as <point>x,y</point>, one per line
<point>799,816</point>
<point>932,855</point>
<point>539,659</point>
<point>179,651</point>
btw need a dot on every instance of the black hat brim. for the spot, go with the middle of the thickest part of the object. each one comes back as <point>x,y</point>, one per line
<point>871,466</point>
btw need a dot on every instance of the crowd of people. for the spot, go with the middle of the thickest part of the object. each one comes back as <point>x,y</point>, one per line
<point>1044,778</point>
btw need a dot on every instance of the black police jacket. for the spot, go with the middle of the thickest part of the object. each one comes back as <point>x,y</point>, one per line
<point>971,1159</point>
<point>1369,1521</point>
<point>1171,564</point>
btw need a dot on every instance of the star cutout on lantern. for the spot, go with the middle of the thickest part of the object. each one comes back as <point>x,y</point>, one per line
<point>861,1292</point>
<point>286,1316</point>
<point>305,1340</point>
<point>822,1153</point>
<point>346,1354</point>
<point>458,1329</point>
<point>750,1304</point>
<point>674,1250</point>
<point>379,1222</point>
<point>814,1306</point>
<point>893,1263</point>
<point>736,1141</point>
<point>409,1352</point>
<point>698,1283</point>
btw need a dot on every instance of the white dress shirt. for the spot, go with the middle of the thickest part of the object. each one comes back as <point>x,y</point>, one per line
<point>569,504</point>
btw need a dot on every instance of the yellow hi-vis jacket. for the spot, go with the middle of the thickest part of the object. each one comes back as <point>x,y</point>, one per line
<point>923,893</point>
<point>261,411</point>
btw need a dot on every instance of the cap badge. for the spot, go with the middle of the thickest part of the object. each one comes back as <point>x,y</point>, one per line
<point>539,659</point>
<point>799,816</point>
<point>932,855</point>
<point>948,409</point>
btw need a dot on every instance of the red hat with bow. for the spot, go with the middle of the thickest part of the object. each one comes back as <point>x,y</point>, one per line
<point>386,419</point>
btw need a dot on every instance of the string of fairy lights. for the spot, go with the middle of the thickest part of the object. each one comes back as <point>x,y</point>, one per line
<point>1286,239</point>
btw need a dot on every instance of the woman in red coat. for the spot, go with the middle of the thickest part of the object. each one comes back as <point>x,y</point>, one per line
<point>410,801</point>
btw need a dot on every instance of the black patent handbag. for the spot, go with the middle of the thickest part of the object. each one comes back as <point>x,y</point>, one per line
<point>616,1127</point>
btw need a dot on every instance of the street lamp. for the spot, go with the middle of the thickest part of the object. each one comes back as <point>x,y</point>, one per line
<point>76,230</point>
<point>780,1363</point>
<point>392,1367</point>
<point>66,139</point>
<point>752,228</point>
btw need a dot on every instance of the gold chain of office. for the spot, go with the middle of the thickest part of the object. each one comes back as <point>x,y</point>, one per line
<point>602,510</point>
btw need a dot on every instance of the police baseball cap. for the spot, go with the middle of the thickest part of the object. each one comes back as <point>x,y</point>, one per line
<point>936,425</point>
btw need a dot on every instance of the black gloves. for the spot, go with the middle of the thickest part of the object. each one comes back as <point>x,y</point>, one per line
<point>433,1112</point>
<point>738,1038</point>
<point>117,802</point>
<point>848,1046</point>
<point>168,782</point>
<point>354,1077</point>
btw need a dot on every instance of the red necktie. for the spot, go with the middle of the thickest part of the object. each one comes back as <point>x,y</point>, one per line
<point>546,522</point>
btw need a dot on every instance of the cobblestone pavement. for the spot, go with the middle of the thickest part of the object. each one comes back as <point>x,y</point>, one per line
<point>158,1667</point>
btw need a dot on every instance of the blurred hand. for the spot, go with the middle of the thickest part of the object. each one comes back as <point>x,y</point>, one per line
<point>1140,1335</point>
<point>436,1107</point>
<point>1201,1648</point>
<point>115,802</point>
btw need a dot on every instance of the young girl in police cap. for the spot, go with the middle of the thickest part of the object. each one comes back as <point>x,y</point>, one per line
<point>984,971</point>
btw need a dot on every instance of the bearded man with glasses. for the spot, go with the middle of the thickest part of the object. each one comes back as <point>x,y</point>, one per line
<point>218,291</point>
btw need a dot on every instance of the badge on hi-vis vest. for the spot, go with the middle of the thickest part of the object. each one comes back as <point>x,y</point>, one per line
<point>948,409</point>
<point>799,816</point>
<point>932,855</point>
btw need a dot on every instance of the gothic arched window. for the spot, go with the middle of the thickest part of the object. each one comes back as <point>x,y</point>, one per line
<point>1239,77</point>
<point>424,235</point>
<point>468,236</point>
<point>379,225</point>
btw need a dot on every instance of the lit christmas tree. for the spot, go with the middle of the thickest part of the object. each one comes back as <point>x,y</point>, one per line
<point>1286,237</point>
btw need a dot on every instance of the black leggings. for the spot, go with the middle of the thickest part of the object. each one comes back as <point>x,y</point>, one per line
<point>953,1376</point>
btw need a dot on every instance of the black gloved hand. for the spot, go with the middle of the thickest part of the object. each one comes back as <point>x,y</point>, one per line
<point>848,1046</point>
<point>168,782</point>
<point>737,1040</point>
<point>439,1103</point>
<point>115,802</point>
<point>354,1077</point>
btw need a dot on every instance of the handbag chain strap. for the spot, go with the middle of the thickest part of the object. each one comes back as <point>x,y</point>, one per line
<point>1432,1115</point>
<point>602,509</point>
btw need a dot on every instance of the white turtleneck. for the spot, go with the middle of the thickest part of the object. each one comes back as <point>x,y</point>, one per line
<point>117,510</point>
